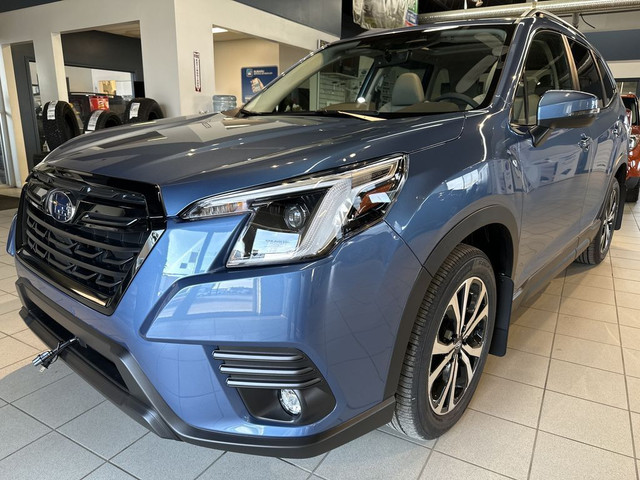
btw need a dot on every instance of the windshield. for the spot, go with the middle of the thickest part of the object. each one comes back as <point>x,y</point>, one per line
<point>416,72</point>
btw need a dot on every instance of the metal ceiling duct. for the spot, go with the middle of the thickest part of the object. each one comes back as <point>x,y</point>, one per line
<point>557,7</point>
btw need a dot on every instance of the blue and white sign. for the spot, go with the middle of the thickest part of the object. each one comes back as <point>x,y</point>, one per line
<point>254,79</point>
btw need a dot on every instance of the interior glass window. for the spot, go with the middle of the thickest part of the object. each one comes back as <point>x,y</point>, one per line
<point>588,77</point>
<point>546,68</point>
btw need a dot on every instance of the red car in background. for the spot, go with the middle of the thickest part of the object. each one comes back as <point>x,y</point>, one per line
<point>633,172</point>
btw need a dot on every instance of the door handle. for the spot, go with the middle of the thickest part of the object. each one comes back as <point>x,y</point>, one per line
<point>585,143</point>
<point>616,130</point>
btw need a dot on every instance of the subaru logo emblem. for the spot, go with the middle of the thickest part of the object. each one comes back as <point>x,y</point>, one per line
<point>60,206</point>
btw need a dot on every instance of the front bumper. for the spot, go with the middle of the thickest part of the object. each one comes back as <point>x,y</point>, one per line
<point>152,357</point>
<point>110,369</point>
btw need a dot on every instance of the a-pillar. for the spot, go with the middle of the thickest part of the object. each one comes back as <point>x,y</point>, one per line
<point>50,67</point>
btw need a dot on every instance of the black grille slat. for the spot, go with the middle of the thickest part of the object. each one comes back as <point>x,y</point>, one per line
<point>100,220</point>
<point>87,241</point>
<point>73,261</point>
<point>93,255</point>
<point>266,369</point>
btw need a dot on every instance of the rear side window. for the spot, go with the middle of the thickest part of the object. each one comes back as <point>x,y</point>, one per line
<point>588,77</point>
<point>546,68</point>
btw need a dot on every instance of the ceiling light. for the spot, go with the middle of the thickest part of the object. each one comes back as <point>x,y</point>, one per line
<point>218,30</point>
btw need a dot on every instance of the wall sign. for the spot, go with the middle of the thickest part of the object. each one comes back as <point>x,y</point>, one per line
<point>255,79</point>
<point>196,71</point>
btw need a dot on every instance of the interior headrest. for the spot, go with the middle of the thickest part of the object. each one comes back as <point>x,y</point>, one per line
<point>407,90</point>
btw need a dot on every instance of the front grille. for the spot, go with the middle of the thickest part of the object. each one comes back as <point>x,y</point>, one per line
<point>266,368</point>
<point>95,255</point>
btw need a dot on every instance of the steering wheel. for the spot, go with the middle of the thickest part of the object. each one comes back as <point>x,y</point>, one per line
<point>461,98</point>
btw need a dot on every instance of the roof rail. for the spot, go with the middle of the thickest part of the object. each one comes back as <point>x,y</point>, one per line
<point>529,13</point>
<point>542,13</point>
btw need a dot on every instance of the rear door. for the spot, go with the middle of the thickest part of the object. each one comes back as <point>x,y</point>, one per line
<point>603,133</point>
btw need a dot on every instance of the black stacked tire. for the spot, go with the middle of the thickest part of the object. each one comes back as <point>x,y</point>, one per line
<point>59,122</point>
<point>142,110</point>
<point>100,119</point>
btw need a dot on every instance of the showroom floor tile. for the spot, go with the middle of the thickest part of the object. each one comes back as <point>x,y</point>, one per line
<point>563,403</point>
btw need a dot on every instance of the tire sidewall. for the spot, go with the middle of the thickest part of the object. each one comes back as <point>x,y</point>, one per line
<point>473,265</point>
<point>603,217</point>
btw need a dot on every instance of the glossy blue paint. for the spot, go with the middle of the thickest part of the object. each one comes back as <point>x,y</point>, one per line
<point>335,310</point>
<point>343,310</point>
<point>211,149</point>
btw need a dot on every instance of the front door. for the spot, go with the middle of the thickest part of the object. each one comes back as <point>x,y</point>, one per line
<point>555,173</point>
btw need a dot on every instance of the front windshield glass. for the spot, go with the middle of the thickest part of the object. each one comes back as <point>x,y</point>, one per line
<point>416,72</point>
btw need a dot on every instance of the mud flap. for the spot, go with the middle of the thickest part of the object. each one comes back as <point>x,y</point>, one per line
<point>503,316</point>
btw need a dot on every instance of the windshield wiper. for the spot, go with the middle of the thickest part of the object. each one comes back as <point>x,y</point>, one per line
<point>344,113</point>
<point>249,113</point>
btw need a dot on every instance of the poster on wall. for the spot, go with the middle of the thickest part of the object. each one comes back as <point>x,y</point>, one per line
<point>255,79</point>
<point>196,72</point>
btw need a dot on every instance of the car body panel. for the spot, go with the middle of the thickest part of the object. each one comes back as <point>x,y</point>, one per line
<point>210,149</point>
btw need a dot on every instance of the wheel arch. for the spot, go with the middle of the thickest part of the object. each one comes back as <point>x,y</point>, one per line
<point>492,229</point>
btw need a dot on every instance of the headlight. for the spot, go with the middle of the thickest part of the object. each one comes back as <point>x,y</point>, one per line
<point>633,142</point>
<point>304,217</point>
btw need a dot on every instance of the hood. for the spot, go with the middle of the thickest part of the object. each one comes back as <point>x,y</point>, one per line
<point>194,157</point>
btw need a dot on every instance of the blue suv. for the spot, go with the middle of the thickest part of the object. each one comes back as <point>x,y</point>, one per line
<point>343,251</point>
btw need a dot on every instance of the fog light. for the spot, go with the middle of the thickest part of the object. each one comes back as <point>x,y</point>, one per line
<point>290,401</point>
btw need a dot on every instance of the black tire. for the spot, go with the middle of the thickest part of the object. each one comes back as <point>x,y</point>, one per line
<point>59,123</point>
<point>142,110</point>
<point>632,195</point>
<point>597,250</point>
<point>100,119</point>
<point>422,391</point>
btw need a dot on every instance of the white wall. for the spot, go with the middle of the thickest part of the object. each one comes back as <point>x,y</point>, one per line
<point>231,56</point>
<point>80,79</point>
<point>290,55</point>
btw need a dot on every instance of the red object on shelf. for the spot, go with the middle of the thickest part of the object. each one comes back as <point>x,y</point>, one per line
<point>99,102</point>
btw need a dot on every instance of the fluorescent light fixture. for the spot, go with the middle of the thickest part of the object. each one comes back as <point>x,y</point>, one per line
<point>218,30</point>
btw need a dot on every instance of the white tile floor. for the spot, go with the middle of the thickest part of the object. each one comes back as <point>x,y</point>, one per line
<point>564,403</point>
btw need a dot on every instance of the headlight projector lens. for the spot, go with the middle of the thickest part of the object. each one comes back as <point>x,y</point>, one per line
<point>295,216</point>
<point>290,401</point>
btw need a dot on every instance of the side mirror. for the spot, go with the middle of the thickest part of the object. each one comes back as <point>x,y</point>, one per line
<point>567,109</point>
<point>563,109</point>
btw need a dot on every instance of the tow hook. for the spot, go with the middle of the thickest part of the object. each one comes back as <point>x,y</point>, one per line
<point>45,359</point>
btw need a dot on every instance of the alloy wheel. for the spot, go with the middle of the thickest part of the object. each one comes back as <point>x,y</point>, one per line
<point>608,223</point>
<point>458,346</point>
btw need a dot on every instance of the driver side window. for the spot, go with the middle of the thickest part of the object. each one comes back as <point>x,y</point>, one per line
<point>546,68</point>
